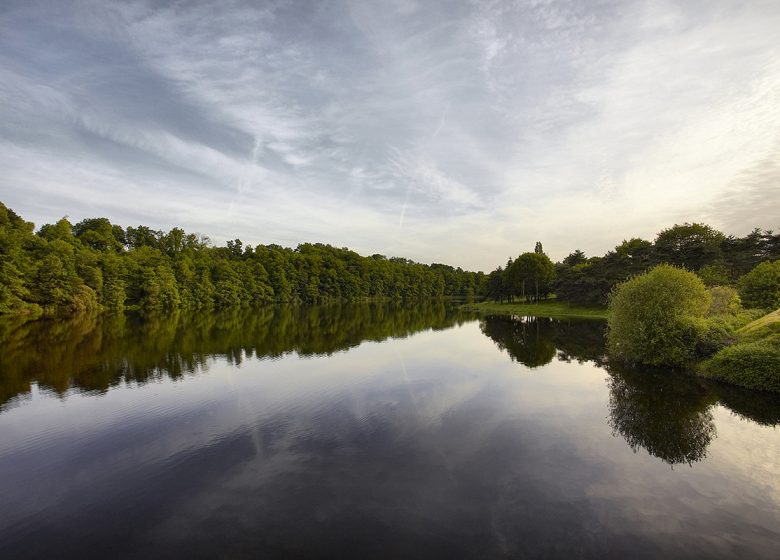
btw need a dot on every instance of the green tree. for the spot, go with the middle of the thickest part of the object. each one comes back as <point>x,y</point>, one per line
<point>715,274</point>
<point>15,262</point>
<point>760,288</point>
<point>689,245</point>
<point>657,318</point>
<point>530,276</point>
<point>575,258</point>
<point>99,234</point>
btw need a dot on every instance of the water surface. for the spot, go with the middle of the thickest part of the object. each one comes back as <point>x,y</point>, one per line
<point>370,431</point>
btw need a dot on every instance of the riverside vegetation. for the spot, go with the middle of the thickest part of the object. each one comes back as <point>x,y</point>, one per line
<point>64,269</point>
<point>691,298</point>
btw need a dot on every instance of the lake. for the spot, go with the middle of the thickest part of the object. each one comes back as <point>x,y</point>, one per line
<point>370,431</point>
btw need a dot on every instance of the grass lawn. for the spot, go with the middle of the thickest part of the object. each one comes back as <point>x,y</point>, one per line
<point>552,308</point>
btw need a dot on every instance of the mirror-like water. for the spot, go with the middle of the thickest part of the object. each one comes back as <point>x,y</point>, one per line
<point>370,431</point>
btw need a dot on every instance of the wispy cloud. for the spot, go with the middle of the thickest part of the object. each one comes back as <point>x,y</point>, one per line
<point>449,132</point>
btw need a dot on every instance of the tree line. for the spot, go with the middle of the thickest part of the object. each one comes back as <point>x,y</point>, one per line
<point>718,259</point>
<point>66,268</point>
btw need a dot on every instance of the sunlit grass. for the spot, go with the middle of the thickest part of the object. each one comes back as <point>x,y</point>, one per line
<point>554,309</point>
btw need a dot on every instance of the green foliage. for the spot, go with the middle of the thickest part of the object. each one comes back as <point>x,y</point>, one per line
<point>714,275</point>
<point>99,234</point>
<point>760,288</point>
<point>657,318</point>
<point>724,301</point>
<point>68,269</point>
<point>731,322</point>
<point>718,260</point>
<point>755,365</point>
<point>589,282</point>
<point>760,326</point>
<point>690,245</point>
<point>530,276</point>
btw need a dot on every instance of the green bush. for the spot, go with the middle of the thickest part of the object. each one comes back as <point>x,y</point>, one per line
<point>711,336</point>
<point>658,318</point>
<point>760,288</point>
<point>755,365</point>
<point>714,275</point>
<point>725,301</point>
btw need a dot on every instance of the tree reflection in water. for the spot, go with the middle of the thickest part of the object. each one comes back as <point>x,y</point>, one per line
<point>537,341</point>
<point>91,353</point>
<point>667,413</point>
<point>528,340</point>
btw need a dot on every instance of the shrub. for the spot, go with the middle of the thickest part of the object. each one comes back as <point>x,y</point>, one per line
<point>725,301</point>
<point>711,336</point>
<point>755,365</point>
<point>760,288</point>
<point>657,318</point>
<point>714,275</point>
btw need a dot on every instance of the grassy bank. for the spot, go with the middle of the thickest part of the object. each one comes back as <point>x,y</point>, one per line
<point>554,309</point>
<point>753,360</point>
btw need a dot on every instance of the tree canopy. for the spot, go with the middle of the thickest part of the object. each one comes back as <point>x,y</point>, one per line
<point>65,268</point>
<point>653,317</point>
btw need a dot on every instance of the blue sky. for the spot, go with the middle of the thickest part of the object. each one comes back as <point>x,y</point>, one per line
<point>442,131</point>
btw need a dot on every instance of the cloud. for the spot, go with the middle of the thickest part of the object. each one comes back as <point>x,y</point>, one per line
<point>443,132</point>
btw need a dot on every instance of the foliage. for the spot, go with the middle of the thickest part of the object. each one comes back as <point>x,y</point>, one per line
<point>760,326</point>
<point>755,365</point>
<point>65,269</point>
<point>530,276</point>
<point>714,275</point>
<point>589,282</point>
<point>760,288</point>
<point>658,318</point>
<point>689,245</point>
<point>724,301</point>
<point>718,260</point>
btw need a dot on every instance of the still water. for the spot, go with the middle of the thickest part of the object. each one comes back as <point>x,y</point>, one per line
<point>370,431</point>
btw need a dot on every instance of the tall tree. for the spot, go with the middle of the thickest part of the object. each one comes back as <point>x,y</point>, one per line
<point>689,245</point>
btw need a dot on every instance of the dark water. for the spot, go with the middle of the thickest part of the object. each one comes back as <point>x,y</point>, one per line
<point>370,431</point>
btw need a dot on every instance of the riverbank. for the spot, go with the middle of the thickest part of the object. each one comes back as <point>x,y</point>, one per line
<point>551,308</point>
<point>753,359</point>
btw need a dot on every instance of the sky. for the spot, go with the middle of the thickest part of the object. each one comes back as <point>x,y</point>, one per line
<point>437,130</point>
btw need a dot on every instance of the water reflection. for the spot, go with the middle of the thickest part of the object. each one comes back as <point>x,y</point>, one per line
<point>433,446</point>
<point>528,340</point>
<point>536,341</point>
<point>95,352</point>
<point>667,413</point>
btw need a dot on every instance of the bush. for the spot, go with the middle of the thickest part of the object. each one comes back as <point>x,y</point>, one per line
<point>755,365</point>
<point>760,288</point>
<point>725,301</point>
<point>714,275</point>
<point>658,318</point>
<point>711,336</point>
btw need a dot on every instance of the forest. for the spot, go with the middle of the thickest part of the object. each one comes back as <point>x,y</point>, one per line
<point>719,260</point>
<point>65,268</point>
